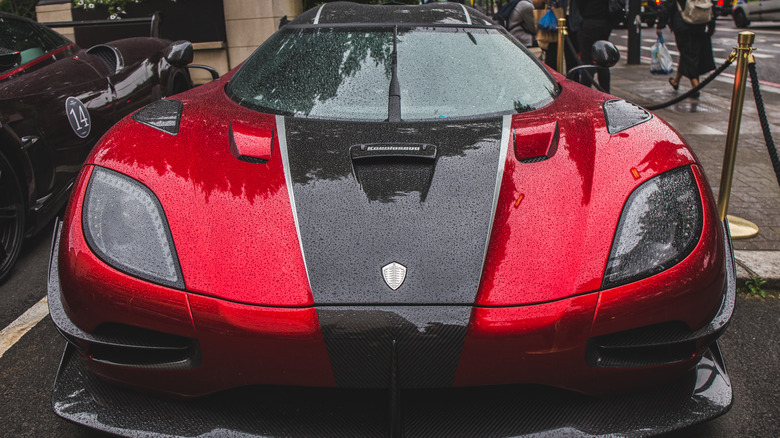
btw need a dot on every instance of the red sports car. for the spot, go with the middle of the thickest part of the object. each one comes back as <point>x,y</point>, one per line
<point>391,220</point>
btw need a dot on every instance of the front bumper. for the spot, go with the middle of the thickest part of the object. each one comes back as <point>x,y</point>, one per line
<point>701,394</point>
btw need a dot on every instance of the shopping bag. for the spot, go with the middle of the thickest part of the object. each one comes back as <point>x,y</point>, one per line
<point>545,37</point>
<point>661,62</point>
<point>549,22</point>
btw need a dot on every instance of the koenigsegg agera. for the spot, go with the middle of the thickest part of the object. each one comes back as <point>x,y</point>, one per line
<point>391,220</point>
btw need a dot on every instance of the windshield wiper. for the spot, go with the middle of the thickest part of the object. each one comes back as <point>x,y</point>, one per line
<point>394,100</point>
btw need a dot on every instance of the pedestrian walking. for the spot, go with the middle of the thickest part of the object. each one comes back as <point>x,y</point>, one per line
<point>596,26</point>
<point>694,42</point>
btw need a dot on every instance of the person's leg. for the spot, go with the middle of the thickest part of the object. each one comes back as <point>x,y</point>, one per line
<point>551,56</point>
<point>694,84</point>
<point>676,81</point>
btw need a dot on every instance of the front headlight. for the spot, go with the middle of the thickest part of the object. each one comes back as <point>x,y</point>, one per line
<point>124,224</point>
<point>660,225</point>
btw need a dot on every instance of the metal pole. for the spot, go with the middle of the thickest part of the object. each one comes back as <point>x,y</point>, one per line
<point>561,41</point>
<point>634,27</point>
<point>743,56</point>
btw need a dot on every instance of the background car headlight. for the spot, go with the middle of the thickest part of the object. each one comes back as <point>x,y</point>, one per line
<point>660,225</point>
<point>125,225</point>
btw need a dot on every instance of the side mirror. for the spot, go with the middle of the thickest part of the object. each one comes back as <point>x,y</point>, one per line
<point>214,74</point>
<point>9,59</point>
<point>604,54</point>
<point>179,53</point>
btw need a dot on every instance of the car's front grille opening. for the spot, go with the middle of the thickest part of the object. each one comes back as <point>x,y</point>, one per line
<point>652,345</point>
<point>138,347</point>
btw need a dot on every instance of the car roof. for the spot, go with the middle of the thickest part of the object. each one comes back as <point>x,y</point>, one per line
<point>347,13</point>
<point>18,17</point>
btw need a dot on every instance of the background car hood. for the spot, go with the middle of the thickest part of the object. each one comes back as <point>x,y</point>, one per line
<point>242,228</point>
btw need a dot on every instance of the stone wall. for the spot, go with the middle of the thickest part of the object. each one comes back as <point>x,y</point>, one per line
<point>247,23</point>
<point>250,22</point>
<point>52,12</point>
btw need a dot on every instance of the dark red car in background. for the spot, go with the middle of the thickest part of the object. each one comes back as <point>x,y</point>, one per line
<point>56,101</point>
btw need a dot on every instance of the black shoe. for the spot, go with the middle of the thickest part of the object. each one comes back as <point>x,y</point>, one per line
<point>674,86</point>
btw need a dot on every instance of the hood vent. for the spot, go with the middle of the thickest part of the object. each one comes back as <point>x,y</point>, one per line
<point>535,143</point>
<point>251,144</point>
<point>388,170</point>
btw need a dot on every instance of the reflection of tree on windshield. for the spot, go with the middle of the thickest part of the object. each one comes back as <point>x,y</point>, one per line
<point>293,85</point>
<point>346,74</point>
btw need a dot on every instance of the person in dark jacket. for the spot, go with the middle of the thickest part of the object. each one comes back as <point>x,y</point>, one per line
<point>693,42</point>
<point>595,26</point>
<point>521,23</point>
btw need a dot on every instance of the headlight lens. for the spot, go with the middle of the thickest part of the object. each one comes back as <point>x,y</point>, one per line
<point>660,225</point>
<point>125,225</point>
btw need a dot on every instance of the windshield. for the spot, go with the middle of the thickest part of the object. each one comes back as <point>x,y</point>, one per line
<point>24,37</point>
<point>443,72</point>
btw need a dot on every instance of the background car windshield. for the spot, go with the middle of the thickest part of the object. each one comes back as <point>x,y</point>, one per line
<point>345,74</point>
<point>21,36</point>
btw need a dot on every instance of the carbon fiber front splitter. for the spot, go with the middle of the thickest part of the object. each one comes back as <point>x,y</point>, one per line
<point>506,411</point>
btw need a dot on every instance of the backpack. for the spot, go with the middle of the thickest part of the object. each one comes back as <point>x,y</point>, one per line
<point>502,16</point>
<point>696,11</point>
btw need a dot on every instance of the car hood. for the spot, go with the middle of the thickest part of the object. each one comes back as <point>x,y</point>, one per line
<point>509,210</point>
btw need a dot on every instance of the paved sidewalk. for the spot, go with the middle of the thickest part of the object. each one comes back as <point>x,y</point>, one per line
<point>755,193</point>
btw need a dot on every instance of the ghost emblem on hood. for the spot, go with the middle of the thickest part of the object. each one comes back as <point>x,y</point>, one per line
<point>394,275</point>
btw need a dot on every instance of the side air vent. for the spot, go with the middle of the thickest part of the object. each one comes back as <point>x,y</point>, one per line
<point>621,115</point>
<point>137,347</point>
<point>652,345</point>
<point>164,115</point>
<point>108,55</point>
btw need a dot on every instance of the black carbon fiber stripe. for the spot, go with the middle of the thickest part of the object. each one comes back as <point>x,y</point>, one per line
<point>428,342</point>
<point>357,216</point>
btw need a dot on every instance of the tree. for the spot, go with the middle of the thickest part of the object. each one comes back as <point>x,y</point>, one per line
<point>25,8</point>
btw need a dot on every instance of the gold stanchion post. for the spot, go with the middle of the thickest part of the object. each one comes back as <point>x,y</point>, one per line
<point>561,41</point>
<point>740,228</point>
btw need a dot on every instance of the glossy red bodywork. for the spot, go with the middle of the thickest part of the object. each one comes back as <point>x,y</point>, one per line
<point>241,344</point>
<point>249,304</point>
<point>555,243</point>
<point>526,344</point>
<point>231,221</point>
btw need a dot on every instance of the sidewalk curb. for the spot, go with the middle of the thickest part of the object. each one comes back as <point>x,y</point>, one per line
<point>765,264</point>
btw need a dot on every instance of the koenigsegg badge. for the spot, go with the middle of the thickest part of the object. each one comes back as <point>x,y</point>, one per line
<point>78,116</point>
<point>394,275</point>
